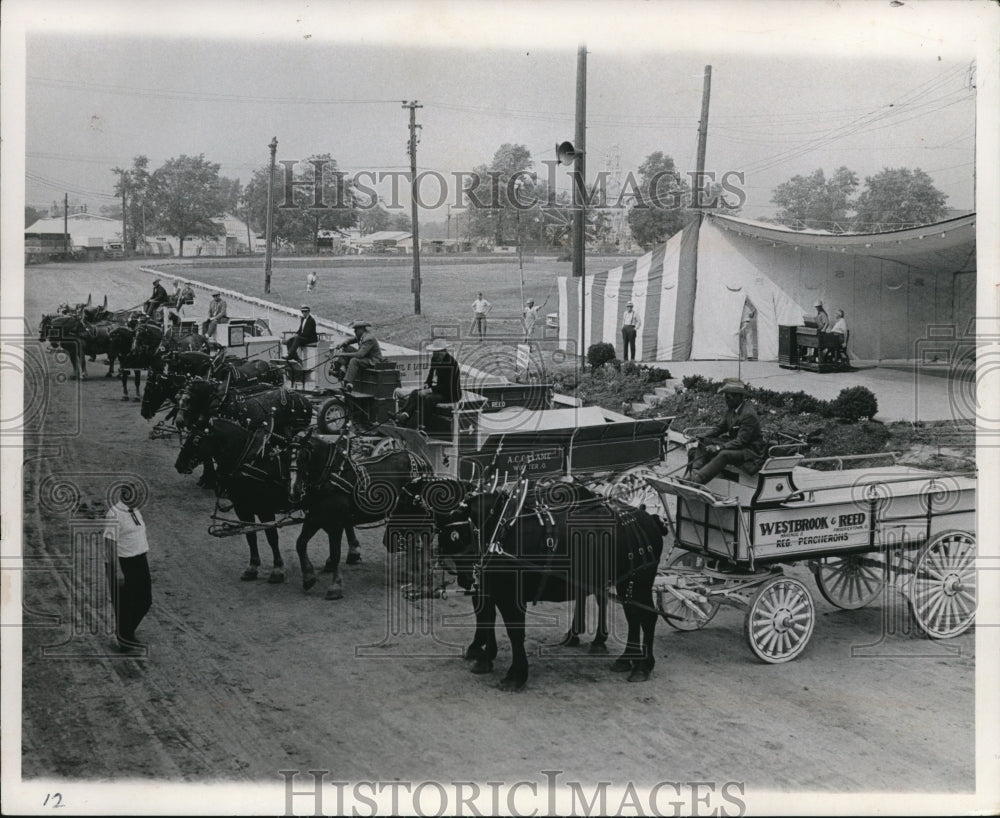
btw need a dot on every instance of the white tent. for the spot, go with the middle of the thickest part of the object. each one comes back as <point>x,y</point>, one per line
<point>724,284</point>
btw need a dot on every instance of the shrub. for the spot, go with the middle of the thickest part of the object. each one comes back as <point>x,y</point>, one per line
<point>599,354</point>
<point>855,403</point>
<point>656,374</point>
<point>802,402</point>
<point>697,383</point>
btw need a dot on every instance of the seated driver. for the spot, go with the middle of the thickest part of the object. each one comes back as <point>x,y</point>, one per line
<point>358,354</point>
<point>734,442</point>
<point>442,385</point>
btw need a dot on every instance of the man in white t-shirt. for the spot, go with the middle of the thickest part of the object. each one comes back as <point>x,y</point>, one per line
<point>125,542</point>
<point>480,309</point>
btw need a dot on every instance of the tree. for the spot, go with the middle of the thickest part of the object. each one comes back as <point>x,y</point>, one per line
<point>402,222</point>
<point>492,215</point>
<point>183,197</point>
<point>373,219</point>
<point>898,198</point>
<point>296,216</point>
<point>230,193</point>
<point>659,210</point>
<point>134,184</point>
<point>815,202</point>
<point>31,215</point>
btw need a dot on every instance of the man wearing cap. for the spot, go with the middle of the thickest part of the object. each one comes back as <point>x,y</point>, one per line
<point>360,357</point>
<point>822,319</point>
<point>305,335</point>
<point>158,299</point>
<point>216,315</point>
<point>630,326</point>
<point>443,385</point>
<point>736,441</point>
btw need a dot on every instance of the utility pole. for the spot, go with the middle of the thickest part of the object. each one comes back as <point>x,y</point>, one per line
<point>702,137</point>
<point>579,198</point>
<point>124,220</point>
<point>411,146</point>
<point>270,217</point>
<point>687,285</point>
<point>66,223</point>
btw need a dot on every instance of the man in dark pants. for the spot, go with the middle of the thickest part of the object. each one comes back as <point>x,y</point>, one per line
<point>630,325</point>
<point>305,335</point>
<point>736,441</point>
<point>443,385</point>
<point>126,543</point>
<point>158,299</point>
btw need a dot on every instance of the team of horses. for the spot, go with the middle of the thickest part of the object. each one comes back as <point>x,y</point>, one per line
<point>508,546</point>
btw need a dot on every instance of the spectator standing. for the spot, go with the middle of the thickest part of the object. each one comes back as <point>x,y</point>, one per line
<point>630,326</point>
<point>480,309</point>
<point>126,546</point>
<point>530,319</point>
<point>311,281</point>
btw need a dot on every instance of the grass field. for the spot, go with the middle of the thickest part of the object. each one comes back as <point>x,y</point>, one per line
<point>379,290</point>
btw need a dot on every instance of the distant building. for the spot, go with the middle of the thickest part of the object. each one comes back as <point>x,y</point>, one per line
<point>236,239</point>
<point>88,234</point>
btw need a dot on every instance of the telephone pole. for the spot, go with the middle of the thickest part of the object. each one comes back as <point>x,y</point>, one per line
<point>411,146</point>
<point>66,223</point>
<point>702,138</point>
<point>579,197</point>
<point>270,217</point>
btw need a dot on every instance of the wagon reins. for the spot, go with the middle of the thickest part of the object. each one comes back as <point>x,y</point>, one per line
<point>636,554</point>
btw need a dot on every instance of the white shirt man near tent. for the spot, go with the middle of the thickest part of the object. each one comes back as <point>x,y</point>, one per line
<point>630,326</point>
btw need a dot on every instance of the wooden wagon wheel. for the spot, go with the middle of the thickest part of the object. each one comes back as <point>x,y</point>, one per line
<point>682,612</point>
<point>332,416</point>
<point>386,444</point>
<point>849,582</point>
<point>942,592</point>
<point>630,487</point>
<point>780,620</point>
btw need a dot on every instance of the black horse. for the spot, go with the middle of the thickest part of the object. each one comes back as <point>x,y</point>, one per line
<point>77,339</point>
<point>251,475</point>
<point>339,492</point>
<point>282,411</point>
<point>435,506</point>
<point>528,551</point>
<point>163,388</point>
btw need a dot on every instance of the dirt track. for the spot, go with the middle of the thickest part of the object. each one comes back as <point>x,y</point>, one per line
<point>246,679</point>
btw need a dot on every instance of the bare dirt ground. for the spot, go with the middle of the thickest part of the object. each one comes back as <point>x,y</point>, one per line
<point>246,679</point>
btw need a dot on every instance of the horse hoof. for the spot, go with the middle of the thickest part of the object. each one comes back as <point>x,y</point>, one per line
<point>639,675</point>
<point>353,558</point>
<point>137,399</point>
<point>482,666</point>
<point>308,581</point>
<point>571,641</point>
<point>511,685</point>
<point>328,567</point>
<point>276,577</point>
<point>249,575</point>
<point>475,653</point>
<point>125,398</point>
<point>621,665</point>
<point>334,592</point>
<point>598,648</point>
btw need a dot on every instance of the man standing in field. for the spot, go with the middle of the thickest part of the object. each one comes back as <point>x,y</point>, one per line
<point>480,309</point>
